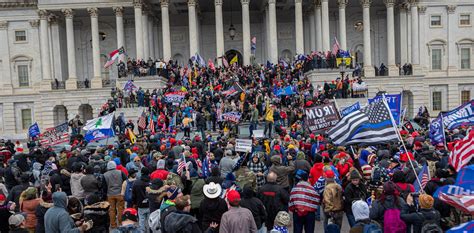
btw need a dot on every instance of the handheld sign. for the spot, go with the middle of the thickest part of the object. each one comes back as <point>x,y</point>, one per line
<point>243,145</point>
<point>321,117</point>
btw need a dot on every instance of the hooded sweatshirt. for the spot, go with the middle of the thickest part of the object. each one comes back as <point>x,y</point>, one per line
<point>57,219</point>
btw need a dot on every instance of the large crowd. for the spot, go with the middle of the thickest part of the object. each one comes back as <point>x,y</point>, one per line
<point>160,181</point>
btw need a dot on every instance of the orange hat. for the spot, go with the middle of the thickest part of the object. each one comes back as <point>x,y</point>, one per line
<point>162,147</point>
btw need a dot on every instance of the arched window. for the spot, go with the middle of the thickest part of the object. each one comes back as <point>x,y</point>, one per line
<point>179,58</point>
<point>465,49</point>
<point>436,51</point>
<point>22,69</point>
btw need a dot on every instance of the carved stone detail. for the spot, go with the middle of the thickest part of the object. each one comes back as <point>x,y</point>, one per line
<point>68,13</point>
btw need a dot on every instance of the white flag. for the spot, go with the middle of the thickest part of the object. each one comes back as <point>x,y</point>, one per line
<point>103,122</point>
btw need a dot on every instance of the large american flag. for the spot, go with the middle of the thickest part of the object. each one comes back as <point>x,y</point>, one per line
<point>463,151</point>
<point>152,125</point>
<point>335,47</point>
<point>142,121</point>
<point>181,164</point>
<point>369,125</point>
<point>424,177</point>
<point>55,135</point>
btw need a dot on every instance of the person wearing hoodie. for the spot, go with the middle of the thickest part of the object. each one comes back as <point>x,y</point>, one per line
<point>360,210</point>
<point>227,163</point>
<point>97,211</point>
<point>114,179</point>
<point>255,205</point>
<point>389,199</point>
<point>58,220</point>
<point>317,170</point>
<point>160,172</point>
<point>301,163</point>
<point>37,173</point>
<point>180,220</point>
<point>76,187</point>
<point>212,207</point>
<point>282,171</point>
<point>354,191</point>
<point>15,193</point>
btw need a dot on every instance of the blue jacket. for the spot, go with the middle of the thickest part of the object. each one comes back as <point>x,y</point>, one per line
<point>57,219</point>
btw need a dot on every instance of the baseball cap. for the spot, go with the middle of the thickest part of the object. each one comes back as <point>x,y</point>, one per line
<point>2,197</point>
<point>16,220</point>
<point>233,196</point>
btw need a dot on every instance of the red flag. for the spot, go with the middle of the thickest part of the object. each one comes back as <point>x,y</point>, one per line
<point>463,152</point>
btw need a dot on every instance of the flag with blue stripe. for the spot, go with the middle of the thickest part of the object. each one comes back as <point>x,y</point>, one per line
<point>462,115</point>
<point>370,125</point>
<point>463,228</point>
<point>34,130</point>
<point>437,130</point>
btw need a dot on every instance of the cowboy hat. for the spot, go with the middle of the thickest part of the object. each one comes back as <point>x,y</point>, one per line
<point>212,190</point>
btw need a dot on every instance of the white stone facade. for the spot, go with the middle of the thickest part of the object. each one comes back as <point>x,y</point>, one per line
<point>417,32</point>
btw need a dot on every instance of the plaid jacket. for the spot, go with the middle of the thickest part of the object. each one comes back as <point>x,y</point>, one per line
<point>256,168</point>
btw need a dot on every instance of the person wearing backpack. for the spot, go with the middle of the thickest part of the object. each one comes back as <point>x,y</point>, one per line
<point>354,191</point>
<point>387,210</point>
<point>403,187</point>
<point>427,219</point>
<point>363,224</point>
<point>127,187</point>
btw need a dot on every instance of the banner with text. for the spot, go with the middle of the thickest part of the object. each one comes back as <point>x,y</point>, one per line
<point>243,145</point>
<point>175,96</point>
<point>347,110</point>
<point>461,116</point>
<point>394,103</point>
<point>232,116</point>
<point>55,135</point>
<point>321,117</point>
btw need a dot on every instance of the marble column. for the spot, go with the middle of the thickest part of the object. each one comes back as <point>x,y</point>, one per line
<point>219,31</point>
<point>44,44</point>
<point>299,27</point>
<point>403,34</point>
<point>71,82</point>
<point>246,31</point>
<point>137,4</point>
<point>409,24</point>
<point>6,83</point>
<point>119,24</point>
<point>273,28</point>
<point>342,24</point>
<point>317,16</point>
<point>146,42</point>
<point>312,31</point>
<point>193,39</point>
<point>392,67</point>
<point>151,36</point>
<point>368,67</point>
<point>415,44</point>
<point>96,81</point>
<point>452,48</point>
<point>325,25</point>
<point>165,26</point>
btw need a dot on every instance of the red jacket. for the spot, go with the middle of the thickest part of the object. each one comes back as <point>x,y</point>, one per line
<point>315,172</point>
<point>159,174</point>
<point>121,168</point>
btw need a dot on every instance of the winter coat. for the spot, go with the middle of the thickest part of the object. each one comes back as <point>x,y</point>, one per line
<point>212,210</point>
<point>237,220</point>
<point>282,171</point>
<point>315,172</point>
<point>29,208</point>
<point>255,206</point>
<point>89,184</point>
<point>227,165</point>
<point>4,215</point>
<point>62,179</point>
<point>196,193</point>
<point>99,213</point>
<point>353,193</point>
<point>139,197</point>
<point>15,194</point>
<point>332,198</point>
<point>76,187</point>
<point>114,180</point>
<point>155,198</point>
<point>275,199</point>
<point>180,222</point>
<point>378,208</point>
<point>57,219</point>
<point>418,218</point>
<point>40,212</point>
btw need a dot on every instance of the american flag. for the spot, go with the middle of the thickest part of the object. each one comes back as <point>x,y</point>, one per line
<point>181,164</point>
<point>369,125</point>
<point>335,46</point>
<point>142,121</point>
<point>55,135</point>
<point>463,151</point>
<point>424,177</point>
<point>152,125</point>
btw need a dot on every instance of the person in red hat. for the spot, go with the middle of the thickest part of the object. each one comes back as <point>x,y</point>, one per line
<point>5,213</point>
<point>237,219</point>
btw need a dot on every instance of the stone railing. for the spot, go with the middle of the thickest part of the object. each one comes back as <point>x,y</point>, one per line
<point>108,83</point>
<point>58,85</point>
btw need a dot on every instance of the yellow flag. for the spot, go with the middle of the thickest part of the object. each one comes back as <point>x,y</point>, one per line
<point>234,60</point>
<point>131,136</point>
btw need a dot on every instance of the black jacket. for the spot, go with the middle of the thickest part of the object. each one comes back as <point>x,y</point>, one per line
<point>275,199</point>
<point>139,197</point>
<point>62,180</point>
<point>418,218</point>
<point>353,193</point>
<point>181,222</point>
<point>212,211</point>
<point>40,212</point>
<point>15,193</point>
<point>255,206</point>
<point>4,215</point>
<point>99,213</point>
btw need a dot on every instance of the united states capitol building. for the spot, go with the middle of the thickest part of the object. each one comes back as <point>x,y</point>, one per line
<point>51,49</point>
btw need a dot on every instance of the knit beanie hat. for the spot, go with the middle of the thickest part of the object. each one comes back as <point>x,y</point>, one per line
<point>426,201</point>
<point>282,218</point>
<point>355,175</point>
<point>360,210</point>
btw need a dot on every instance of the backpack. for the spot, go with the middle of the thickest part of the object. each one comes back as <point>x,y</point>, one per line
<point>430,226</point>
<point>128,191</point>
<point>392,223</point>
<point>154,221</point>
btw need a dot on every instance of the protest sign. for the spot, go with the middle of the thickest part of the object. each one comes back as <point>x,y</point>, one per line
<point>461,116</point>
<point>243,145</point>
<point>55,135</point>
<point>232,116</point>
<point>321,117</point>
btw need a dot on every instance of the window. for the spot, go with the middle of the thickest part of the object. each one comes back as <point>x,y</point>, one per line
<point>466,58</point>
<point>436,59</point>
<point>465,20</point>
<point>23,75</point>
<point>26,118</point>
<point>436,100</point>
<point>20,36</point>
<point>465,96</point>
<point>436,20</point>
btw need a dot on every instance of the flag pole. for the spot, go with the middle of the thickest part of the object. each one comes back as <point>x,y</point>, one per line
<point>444,134</point>
<point>401,140</point>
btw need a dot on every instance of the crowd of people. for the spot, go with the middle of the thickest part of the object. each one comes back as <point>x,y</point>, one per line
<point>162,182</point>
